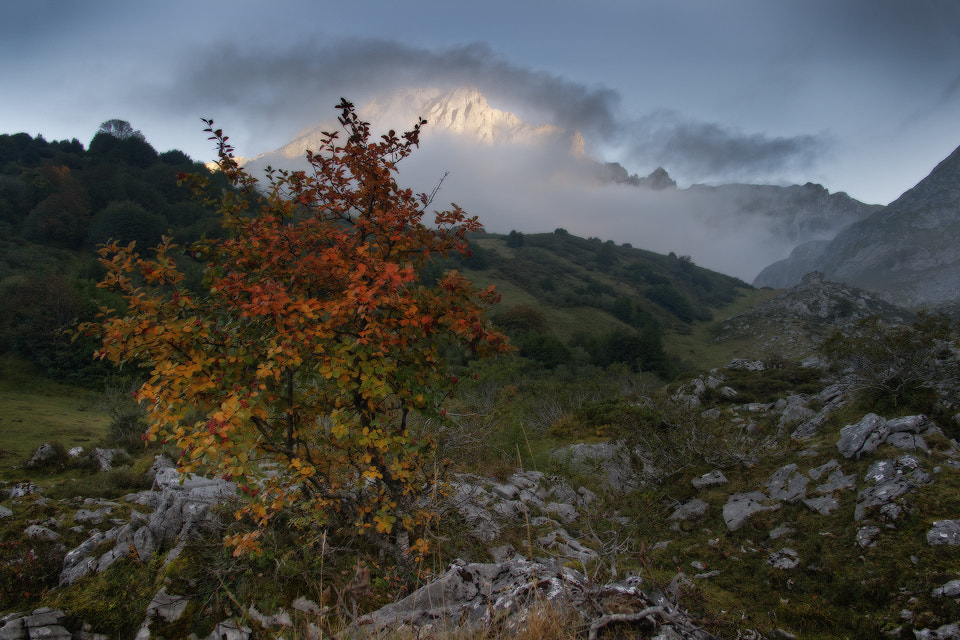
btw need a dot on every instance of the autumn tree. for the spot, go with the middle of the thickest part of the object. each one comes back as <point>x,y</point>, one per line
<point>297,370</point>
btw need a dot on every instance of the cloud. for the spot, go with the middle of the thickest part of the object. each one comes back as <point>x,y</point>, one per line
<point>310,76</point>
<point>714,152</point>
<point>302,82</point>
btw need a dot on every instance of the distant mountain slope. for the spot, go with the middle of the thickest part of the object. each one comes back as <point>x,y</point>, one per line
<point>910,250</point>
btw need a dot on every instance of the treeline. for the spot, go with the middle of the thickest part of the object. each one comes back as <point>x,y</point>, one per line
<point>58,201</point>
<point>649,293</point>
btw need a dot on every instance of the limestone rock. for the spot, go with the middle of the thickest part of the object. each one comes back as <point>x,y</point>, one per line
<point>740,506</point>
<point>949,590</point>
<point>689,510</point>
<point>824,505</point>
<point>24,489</point>
<point>944,532</point>
<point>38,532</point>
<point>469,596</point>
<point>711,479</point>
<point>946,632</point>
<point>787,484</point>
<point>785,558</point>
<point>862,437</point>
<point>43,453</point>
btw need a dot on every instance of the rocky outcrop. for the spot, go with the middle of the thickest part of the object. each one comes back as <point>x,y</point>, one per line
<point>180,511</point>
<point>796,321</point>
<point>476,595</point>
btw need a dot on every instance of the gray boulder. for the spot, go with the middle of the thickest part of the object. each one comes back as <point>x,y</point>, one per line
<point>690,510</point>
<point>862,437</point>
<point>787,484</point>
<point>948,590</point>
<point>785,558</point>
<point>714,478</point>
<point>944,532</point>
<point>43,453</point>
<point>740,506</point>
<point>946,632</point>
<point>39,532</point>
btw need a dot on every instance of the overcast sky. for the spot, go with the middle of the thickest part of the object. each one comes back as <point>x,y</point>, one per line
<point>862,96</point>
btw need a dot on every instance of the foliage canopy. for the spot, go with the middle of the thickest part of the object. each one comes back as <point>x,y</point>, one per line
<point>296,369</point>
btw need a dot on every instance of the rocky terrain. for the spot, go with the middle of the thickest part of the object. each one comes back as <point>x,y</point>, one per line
<point>793,323</point>
<point>801,495</point>
<point>768,498</point>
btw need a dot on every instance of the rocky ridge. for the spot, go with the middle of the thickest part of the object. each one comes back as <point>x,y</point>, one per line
<point>793,323</point>
<point>907,250</point>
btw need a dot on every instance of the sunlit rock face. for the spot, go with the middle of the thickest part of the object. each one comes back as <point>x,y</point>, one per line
<point>461,113</point>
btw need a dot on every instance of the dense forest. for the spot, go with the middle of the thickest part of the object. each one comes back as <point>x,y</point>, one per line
<point>59,200</point>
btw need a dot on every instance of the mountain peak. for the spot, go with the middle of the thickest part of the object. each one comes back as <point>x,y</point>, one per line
<point>462,112</point>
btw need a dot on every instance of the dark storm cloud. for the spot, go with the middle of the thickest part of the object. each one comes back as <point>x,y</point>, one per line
<point>306,80</point>
<point>711,151</point>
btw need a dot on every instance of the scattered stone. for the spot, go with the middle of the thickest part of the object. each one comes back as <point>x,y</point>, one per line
<point>714,478</point>
<point>87,517</point>
<point>892,479</point>
<point>5,512</point>
<point>949,590</point>
<point>866,536</point>
<point>836,481</point>
<point>471,596</point>
<point>907,441</point>
<point>24,489</point>
<point>43,453</point>
<point>690,509</point>
<point>946,632</point>
<point>785,558</point>
<point>279,619</point>
<point>563,545</point>
<point>824,468</point>
<point>862,437</point>
<point>793,412</point>
<point>38,532</point>
<point>306,606</point>
<point>824,505</point>
<point>106,459</point>
<point>787,484</point>
<point>740,506</point>
<point>944,532</point>
<point>41,623</point>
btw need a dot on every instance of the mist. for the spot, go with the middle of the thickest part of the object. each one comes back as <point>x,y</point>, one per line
<point>516,188</point>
